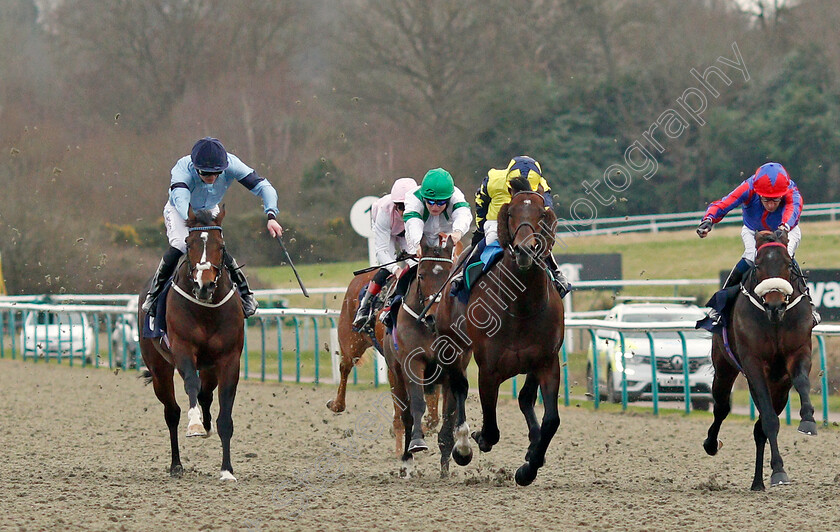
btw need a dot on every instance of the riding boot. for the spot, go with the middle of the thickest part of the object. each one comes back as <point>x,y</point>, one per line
<point>163,273</point>
<point>249,302</point>
<point>457,283</point>
<point>803,287</point>
<point>363,313</point>
<point>735,277</point>
<point>560,282</point>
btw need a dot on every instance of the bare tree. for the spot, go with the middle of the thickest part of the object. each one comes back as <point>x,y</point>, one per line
<point>416,60</point>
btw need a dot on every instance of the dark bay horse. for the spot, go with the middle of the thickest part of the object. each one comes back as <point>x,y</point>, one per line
<point>205,333</point>
<point>412,360</point>
<point>513,323</point>
<point>353,345</point>
<point>768,338</point>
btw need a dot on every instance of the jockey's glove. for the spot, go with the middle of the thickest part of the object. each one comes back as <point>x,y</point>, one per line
<point>704,227</point>
<point>782,231</point>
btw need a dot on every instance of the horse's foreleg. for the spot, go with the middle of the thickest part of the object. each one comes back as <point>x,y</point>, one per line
<point>205,398</point>
<point>488,391</point>
<point>724,378</point>
<point>446,439</point>
<point>192,385</point>
<point>432,419</point>
<point>462,453</point>
<point>769,429</point>
<point>760,442</point>
<point>802,383</point>
<point>527,400</point>
<point>400,405</point>
<point>163,382</point>
<point>228,375</point>
<point>550,387</point>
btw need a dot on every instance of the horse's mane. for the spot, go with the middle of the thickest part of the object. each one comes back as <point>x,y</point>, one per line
<point>519,184</point>
<point>204,217</point>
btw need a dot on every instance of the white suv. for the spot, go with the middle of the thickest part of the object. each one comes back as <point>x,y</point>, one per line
<point>670,372</point>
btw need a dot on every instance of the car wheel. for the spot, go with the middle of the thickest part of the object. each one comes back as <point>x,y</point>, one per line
<point>612,394</point>
<point>701,404</point>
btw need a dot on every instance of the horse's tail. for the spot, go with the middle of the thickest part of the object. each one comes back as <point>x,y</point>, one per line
<point>146,375</point>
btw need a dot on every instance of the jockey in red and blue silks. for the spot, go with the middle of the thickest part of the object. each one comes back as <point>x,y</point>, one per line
<point>770,201</point>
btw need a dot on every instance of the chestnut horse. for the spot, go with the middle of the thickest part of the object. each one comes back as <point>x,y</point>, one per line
<point>353,345</point>
<point>411,359</point>
<point>513,322</point>
<point>205,327</point>
<point>768,338</point>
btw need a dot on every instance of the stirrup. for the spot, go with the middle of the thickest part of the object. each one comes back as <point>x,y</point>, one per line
<point>815,315</point>
<point>249,304</point>
<point>149,305</point>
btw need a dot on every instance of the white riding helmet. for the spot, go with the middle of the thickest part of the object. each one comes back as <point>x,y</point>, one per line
<point>402,186</point>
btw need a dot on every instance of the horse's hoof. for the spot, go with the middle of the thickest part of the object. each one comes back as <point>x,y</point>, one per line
<point>227,475</point>
<point>416,445</point>
<point>332,405</point>
<point>757,486</point>
<point>711,446</point>
<point>482,445</point>
<point>808,427</point>
<point>525,474</point>
<point>208,433</point>
<point>779,479</point>
<point>176,471</point>
<point>407,467</point>
<point>462,459</point>
<point>196,430</point>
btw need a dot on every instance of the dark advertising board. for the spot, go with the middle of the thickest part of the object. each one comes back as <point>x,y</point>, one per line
<point>590,266</point>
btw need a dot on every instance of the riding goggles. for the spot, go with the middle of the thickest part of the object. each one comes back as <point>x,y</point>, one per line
<point>439,203</point>
<point>202,173</point>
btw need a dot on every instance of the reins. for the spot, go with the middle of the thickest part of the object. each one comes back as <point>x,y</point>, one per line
<point>433,298</point>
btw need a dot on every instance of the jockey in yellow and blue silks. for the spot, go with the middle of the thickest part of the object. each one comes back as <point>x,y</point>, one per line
<point>491,195</point>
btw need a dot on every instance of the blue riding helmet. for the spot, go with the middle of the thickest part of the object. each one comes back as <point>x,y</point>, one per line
<point>208,155</point>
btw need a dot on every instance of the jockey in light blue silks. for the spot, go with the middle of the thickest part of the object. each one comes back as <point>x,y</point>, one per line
<point>200,180</point>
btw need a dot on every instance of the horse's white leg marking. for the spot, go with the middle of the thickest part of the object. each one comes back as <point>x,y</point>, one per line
<point>227,475</point>
<point>462,439</point>
<point>195,425</point>
<point>407,467</point>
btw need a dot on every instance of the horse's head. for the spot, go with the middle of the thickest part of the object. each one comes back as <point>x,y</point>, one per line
<point>434,267</point>
<point>773,274</point>
<point>205,251</point>
<point>526,227</point>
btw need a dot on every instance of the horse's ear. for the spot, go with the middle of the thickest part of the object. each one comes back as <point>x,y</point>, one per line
<point>221,216</point>
<point>424,247</point>
<point>503,231</point>
<point>190,214</point>
<point>540,189</point>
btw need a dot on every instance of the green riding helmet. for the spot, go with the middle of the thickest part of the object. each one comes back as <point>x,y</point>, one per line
<point>437,185</point>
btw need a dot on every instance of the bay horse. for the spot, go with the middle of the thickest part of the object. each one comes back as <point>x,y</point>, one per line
<point>205,327</point>
<point>411,357</point>
<point>513,322</point>
<point>767,337</point>
<point>353,344</point>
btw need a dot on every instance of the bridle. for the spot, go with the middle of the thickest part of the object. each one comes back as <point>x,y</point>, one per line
<point>773,284</point>
<point>525,223</point>
<point>427,299</point>
<point>200,266</point>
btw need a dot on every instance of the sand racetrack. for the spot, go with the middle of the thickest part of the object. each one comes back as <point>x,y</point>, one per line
<point>87,449</point>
